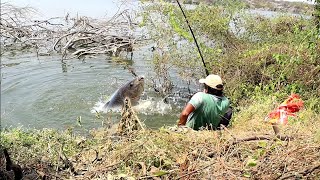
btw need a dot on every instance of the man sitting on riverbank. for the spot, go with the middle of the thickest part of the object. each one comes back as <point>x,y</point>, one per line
<point>207,109</point>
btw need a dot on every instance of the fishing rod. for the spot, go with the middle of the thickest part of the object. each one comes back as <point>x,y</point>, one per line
<point>194,38</point>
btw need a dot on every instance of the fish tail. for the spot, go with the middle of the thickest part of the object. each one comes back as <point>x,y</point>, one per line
<point>106,105</point>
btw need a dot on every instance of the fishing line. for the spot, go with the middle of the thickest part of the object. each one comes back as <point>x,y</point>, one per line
<point>194,38</point>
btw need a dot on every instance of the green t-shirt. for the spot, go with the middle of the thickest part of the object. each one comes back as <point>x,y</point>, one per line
<point>209,109</point>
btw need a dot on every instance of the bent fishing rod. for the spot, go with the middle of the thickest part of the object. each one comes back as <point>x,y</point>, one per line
<point>194,38</point>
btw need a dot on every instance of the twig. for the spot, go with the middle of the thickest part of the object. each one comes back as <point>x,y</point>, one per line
<point>280,137</point>
<point>226,129</point>
<point>304,172</point>
<point>254,138</point>
<point>152,176</point>
<point>195,171</point>
<point>106,168</point>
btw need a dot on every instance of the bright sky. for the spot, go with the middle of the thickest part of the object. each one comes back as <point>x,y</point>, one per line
<point>92,8</point>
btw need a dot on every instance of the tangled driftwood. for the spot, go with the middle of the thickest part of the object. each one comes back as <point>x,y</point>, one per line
<point>89,36</point>
<point>72,37</point>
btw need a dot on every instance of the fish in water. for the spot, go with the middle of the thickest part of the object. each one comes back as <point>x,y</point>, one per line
<point>132,89</point>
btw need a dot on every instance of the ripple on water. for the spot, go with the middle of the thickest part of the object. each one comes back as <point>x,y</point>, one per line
<point>47,93</point>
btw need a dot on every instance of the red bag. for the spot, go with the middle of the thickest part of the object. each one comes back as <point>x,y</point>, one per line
<point>287,108</point>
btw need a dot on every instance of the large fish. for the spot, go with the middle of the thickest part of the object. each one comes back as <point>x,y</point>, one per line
<point>132,89</point>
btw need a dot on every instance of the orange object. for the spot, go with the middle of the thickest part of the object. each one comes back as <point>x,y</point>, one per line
<point>287,108</point>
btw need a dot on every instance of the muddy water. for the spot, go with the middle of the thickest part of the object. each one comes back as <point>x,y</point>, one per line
<point>48,93</point>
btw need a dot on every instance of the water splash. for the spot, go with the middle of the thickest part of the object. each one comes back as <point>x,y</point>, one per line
<point>152,106</point>
<point>147,107</point>
<point>99,107</point>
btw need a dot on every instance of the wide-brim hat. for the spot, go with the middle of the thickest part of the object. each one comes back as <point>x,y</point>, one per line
<point>214,81</point>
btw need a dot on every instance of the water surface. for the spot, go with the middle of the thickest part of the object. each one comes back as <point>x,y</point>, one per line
<point>49,93</point>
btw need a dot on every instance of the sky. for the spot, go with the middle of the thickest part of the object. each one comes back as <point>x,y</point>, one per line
<point>91,8</point>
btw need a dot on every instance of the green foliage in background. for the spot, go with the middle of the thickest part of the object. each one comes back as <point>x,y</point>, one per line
<point>256,55</point>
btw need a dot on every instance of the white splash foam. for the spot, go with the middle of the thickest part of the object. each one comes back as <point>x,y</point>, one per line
<point>150,106</point>
<point>99,107</point>
<point>147,107</point>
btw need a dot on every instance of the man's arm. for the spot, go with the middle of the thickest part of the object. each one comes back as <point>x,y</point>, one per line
<point>185,113</point>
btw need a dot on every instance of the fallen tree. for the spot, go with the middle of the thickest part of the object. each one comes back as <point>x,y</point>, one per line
<point>70,36</point>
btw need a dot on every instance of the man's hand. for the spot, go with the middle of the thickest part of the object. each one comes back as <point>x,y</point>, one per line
<point>185,113</point>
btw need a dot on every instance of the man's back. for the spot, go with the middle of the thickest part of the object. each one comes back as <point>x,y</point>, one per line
<point>209,109</point>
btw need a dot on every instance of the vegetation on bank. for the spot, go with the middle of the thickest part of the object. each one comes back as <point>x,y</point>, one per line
<point>263,60</point>
<point>150,154</point>
<point>256,53</point>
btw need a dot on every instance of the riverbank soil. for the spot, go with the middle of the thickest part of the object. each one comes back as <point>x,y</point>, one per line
<point>247,149</point>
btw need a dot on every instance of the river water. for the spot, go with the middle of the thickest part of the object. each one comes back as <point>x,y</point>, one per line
<point>43,92</point>
<point>47,93</point>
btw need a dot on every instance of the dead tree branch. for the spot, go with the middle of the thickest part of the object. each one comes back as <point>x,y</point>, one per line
<point>72,37</point>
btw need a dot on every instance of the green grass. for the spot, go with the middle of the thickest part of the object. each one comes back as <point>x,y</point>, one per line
<point>170,154</point>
